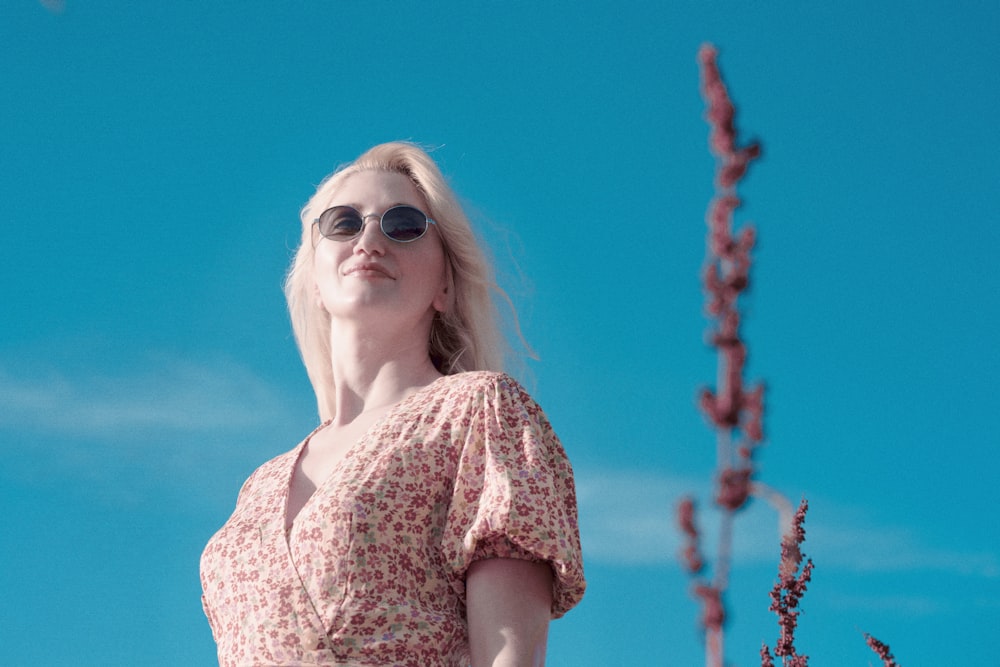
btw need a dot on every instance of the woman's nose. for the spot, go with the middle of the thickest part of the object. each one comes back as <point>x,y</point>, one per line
<point>370,240</point>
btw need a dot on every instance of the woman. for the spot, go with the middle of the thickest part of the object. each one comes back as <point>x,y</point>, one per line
<point>431,518</point>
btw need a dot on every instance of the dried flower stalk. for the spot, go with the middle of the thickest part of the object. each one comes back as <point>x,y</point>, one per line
<point>882,650</point>
<point>788,592</point>
<point>734,410</point>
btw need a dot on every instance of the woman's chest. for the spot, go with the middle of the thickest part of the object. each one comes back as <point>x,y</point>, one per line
<point>396,489</point>
<point>321,455</point>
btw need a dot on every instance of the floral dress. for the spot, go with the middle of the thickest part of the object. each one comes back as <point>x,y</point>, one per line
<point>372,570</point>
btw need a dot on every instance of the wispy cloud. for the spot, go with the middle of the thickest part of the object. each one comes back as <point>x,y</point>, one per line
<point>896,605</point>
<point>868,548</point>
<point>54,6</point>
<point>164,393</point>
<point>627,518</point>
<point>194,426</point>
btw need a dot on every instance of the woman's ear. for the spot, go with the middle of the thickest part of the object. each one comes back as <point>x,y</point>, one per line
<point>318,297</point>
<point>445,296</point>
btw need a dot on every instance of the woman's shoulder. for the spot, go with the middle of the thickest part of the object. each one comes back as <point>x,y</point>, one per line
<point>480,379</point>
<point>493,391</point>
<point>477,383</point>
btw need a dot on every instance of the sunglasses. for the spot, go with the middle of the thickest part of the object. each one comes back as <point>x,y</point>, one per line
<point>403,224</point>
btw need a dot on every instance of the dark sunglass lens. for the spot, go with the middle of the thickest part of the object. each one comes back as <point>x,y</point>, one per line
<point>404,223</point>
<point>340,222</point>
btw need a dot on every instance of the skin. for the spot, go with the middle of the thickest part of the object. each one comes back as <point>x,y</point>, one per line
<point>509,603</point>
<point>382,297</point>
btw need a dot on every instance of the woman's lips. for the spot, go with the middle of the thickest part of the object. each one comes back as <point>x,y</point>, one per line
<point>367,270</point>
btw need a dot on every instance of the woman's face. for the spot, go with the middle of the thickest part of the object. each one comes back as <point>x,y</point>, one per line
<point>371,276</point>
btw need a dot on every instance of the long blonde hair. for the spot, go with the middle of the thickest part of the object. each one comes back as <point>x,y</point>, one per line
<point>464,337</point>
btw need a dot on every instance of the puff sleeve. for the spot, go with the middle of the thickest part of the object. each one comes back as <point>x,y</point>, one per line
<point>514,495</point>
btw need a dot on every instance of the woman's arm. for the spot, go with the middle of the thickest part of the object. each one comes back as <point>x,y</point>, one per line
<point>509,604</point>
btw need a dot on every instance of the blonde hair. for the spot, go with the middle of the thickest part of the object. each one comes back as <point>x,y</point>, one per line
<point>465,337</point>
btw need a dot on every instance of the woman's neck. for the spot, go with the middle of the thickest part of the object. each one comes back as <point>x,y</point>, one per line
<point>374,369</point>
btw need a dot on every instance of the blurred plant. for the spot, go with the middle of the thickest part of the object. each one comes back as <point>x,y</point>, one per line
<point>736,410</point>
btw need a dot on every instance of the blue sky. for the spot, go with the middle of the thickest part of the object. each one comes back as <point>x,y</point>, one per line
<point>153,159</point>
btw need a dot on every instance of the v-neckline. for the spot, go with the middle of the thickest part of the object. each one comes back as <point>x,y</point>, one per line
<point>289,526</point>
<point>290,477</point>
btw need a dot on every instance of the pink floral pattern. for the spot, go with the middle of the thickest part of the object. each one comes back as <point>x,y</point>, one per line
<point>372,571</point>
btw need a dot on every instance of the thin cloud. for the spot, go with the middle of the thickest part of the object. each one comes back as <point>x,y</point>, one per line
<point>864,549</point>
<point>897,605</point>
<point>627,518</point>
<point>167,394</point>
<point>195,427</point>
<point>54,6</point>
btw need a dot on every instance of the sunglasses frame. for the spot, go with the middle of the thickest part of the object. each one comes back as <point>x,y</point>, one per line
<point>381,223</point>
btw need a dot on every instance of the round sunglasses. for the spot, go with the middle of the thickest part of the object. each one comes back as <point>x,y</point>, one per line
<point>403,224</point>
